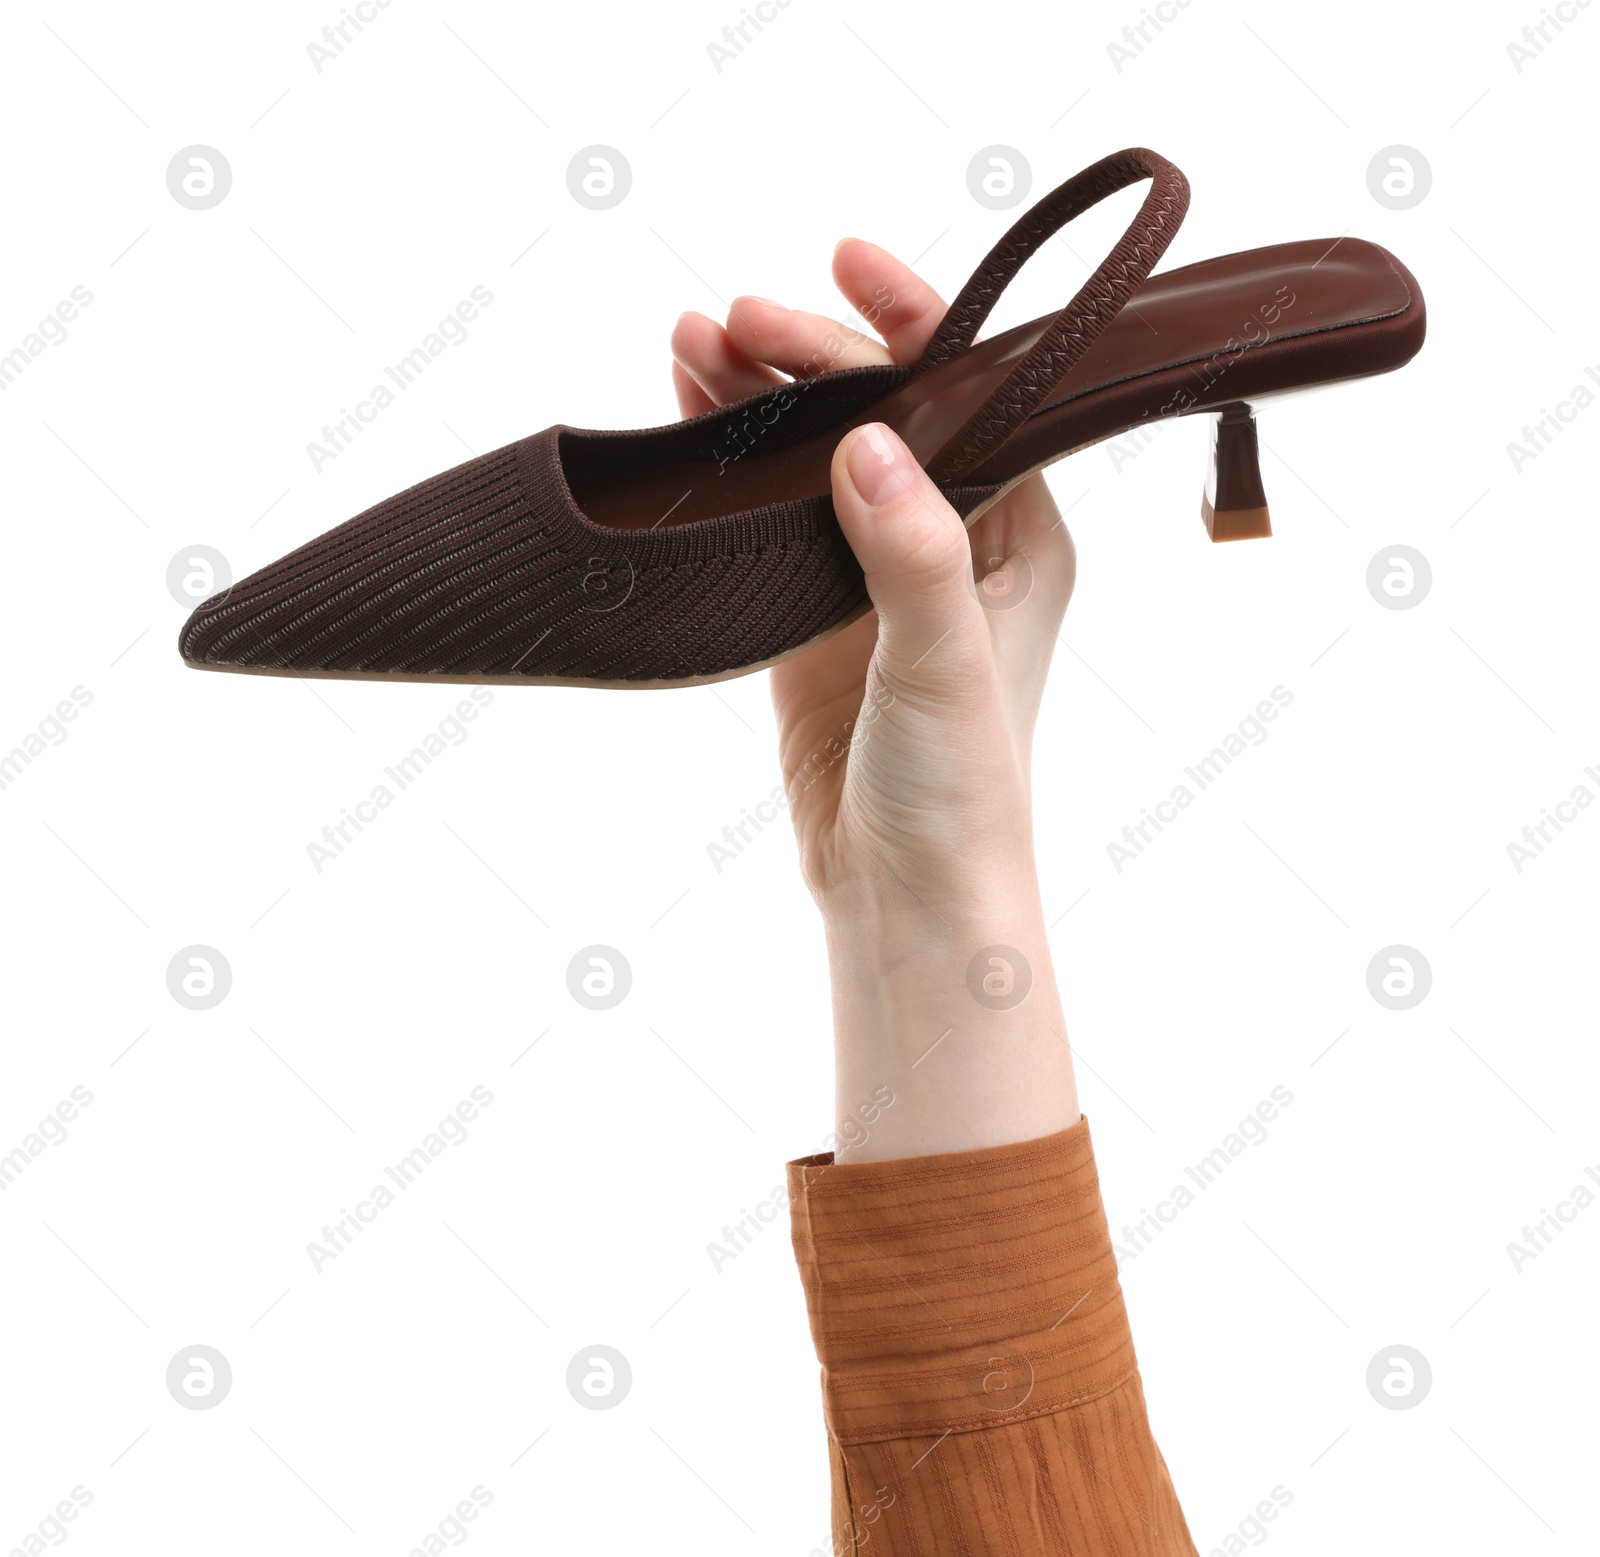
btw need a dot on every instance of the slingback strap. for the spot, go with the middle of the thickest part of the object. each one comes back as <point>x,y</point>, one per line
<point>1075,328</point>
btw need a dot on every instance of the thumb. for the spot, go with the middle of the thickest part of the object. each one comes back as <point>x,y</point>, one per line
<point>911,545</point>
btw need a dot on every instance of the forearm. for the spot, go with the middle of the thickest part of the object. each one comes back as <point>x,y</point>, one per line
<point>954,1011</point>
<point>981,1386</point>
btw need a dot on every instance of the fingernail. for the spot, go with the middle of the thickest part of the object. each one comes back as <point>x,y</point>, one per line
<point>879,464</point>
<point>751,297</point>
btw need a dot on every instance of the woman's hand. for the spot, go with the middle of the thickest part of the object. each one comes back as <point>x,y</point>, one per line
<point>905,741</point>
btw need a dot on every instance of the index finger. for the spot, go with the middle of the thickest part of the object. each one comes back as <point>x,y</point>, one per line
<point>889,295</point>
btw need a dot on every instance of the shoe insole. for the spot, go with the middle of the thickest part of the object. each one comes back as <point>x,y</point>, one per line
<point>1201,311</point>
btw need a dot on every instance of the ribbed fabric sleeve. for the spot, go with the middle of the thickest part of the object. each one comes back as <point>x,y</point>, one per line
<point>978,1375</point>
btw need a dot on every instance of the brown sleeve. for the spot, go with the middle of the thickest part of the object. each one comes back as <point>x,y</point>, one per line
<point>978,1375</point>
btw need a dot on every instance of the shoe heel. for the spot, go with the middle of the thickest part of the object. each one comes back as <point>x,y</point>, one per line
<point>1234,506</point>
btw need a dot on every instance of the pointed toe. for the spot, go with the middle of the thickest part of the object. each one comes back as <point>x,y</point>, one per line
<point>388,591</point>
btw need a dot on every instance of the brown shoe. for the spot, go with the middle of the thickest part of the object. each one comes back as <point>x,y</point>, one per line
<point>702,550</point>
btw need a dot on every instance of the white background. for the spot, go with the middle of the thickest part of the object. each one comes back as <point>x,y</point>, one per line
<point>368,999</point>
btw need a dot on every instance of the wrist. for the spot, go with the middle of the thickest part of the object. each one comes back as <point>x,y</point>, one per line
<point>893,929</point>
<point>951,1010</point>
<point>895,975</point>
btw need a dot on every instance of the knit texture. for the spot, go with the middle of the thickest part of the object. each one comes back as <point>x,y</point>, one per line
<point>979,1379</point>
<point>492,569</point>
